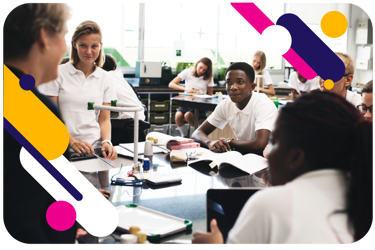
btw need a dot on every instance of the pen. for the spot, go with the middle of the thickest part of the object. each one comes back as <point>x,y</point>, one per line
<point>103,160</point>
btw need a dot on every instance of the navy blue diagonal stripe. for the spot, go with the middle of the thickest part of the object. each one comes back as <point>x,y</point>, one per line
<point>43,161</point>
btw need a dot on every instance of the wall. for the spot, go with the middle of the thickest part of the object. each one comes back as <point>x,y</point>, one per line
<point>360,76</point>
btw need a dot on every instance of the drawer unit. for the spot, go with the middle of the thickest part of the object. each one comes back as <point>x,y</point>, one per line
<point>159,105</point>
<point>159,128</point>
<point>159,118</point>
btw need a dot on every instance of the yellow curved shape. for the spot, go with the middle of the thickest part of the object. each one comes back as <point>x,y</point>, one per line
<point>33,119</point>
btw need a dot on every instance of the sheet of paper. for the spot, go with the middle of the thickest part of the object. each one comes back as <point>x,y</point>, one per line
<point>94,165</point>
<point>204,96</point>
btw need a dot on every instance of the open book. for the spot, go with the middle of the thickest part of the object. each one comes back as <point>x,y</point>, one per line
<point>169,142</point>
<point>232,162</point>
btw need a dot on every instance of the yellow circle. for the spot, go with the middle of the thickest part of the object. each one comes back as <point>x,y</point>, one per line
<point>334,24</point>
<point>328,84</point>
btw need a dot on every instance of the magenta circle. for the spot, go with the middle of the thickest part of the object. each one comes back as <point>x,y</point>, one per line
<point>61,215</point>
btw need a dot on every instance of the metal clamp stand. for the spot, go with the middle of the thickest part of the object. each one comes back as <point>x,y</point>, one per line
<point>121,107</point>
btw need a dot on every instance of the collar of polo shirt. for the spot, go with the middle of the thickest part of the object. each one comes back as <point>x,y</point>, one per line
<point>73,70</point>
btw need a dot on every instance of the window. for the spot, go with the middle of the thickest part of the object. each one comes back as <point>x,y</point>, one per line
<point>119,25</point>
<point>193,23</point>
<point>238,40</point>
<point>210,30</point>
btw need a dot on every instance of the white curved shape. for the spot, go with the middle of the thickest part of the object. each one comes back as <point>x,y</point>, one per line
<point>276,40</point>
<point>94,212</point>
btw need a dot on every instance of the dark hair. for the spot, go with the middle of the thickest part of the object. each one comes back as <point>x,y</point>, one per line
<point>245,67</point>
<point>334,135</point>
<point>110,63</point>
<point>209,72</point>
<point>64,60</point>
<point>367,88</point>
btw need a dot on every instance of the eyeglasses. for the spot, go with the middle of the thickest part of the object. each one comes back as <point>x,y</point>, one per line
<point>363,109</point>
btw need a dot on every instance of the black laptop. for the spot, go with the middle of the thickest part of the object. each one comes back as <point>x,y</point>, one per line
<point>225,205</point>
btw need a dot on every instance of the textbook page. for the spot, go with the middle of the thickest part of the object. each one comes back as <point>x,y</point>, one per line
<point>250,163</point>
<point>166,139</point>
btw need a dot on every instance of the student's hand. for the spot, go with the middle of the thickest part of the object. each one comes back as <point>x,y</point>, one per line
<point>109,152</point>
<point>80,232</point>
<point>82,148</point>
<point>201,92</point>
<point>218,146</point>
<point>191,90</point>
<point>105,193</point>
<point>215,237</point>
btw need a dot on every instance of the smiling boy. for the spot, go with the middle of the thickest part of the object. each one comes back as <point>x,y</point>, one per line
<point>250,115</point>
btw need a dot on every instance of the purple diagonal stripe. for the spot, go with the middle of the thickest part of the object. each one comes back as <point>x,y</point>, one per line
<point>311,49</point>
<point>43,161</point>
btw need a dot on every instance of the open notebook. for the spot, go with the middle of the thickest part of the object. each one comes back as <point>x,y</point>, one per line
<point>227,162</point>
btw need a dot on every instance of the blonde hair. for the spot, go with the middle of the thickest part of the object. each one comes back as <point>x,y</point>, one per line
<point>261,66</point>
<point>348,62</point>
<point>87,27</point>
<point>22,26</point>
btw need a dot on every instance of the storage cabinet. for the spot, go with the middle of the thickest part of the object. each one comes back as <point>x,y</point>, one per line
<point>160,110</point>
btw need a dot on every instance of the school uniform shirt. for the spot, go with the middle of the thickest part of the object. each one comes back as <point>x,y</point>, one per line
<point>301,87</point>
<point>195,82</point>
<point>259,113</point>
<point>74,92</point>
<point>354,98</point>
<point>125,94</point>
<point>266,80</point>
<point>300,211</point>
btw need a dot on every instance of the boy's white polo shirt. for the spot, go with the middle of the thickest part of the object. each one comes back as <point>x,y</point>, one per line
<point>309,85</point>
<point>259,113</point>
<point>74,91</point>
<point>195,82</point>
<point>354,98</point>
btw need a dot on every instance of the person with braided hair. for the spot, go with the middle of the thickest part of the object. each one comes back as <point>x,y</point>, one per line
<point>320,167</point>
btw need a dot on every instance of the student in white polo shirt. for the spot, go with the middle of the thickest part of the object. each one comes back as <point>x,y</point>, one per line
<point>301,85</point>
<point>197,80</point>
<point>259,63</point>
<point>81,81</point>
<point>125,93</point>
<point>341,87</point>
<point>250,115</point>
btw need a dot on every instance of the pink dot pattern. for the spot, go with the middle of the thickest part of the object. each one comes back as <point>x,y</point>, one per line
<point>61,215</point>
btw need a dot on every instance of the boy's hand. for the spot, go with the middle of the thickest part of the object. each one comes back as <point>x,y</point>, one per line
<point>215,237</point>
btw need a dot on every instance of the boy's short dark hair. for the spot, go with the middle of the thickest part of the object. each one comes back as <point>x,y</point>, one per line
<point>367,88</point>
<point>245,67</point>
<point>109,63</point>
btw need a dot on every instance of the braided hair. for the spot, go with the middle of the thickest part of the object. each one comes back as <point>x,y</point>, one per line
<point>335,135</point>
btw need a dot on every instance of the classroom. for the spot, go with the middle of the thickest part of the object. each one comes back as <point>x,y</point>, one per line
<point>249,123</point>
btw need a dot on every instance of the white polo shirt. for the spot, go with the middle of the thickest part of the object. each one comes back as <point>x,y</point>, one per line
<point>299,86</point>
<point>259,113</point>
<point>74,92</point>
<point>297,212</point>
<point>125,94</point>
<point>354,98</point>
<point>195,82</point>
<point>267,80</point>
